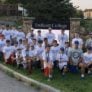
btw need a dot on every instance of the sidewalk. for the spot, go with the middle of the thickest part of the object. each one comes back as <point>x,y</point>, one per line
<point>43,87</point>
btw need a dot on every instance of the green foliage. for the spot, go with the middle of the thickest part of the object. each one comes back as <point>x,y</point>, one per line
<point>68,83</point>
<point>47,9</point>
<point>87,23</point>
<point>79,13</point>
<point>11,1</point>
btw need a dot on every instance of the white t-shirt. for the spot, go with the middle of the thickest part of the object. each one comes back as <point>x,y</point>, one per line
<point>14,33</point>
<point>8,51</point>
<point>63,59</point>
<point>13,49</point>
<point>30,42</point>
<point>87,57</point>
<point>48,57</point>
<point>62,39</point>
<point>1,30</point>
<point>88,42</point>
<point>2,44</point>
<point>39,37</point>
<point>7,34</point>
<point>21,46</point>
<point>50,37</point>
<point>33,53</point>
<point>79,40</point>
<point>55,51</point>
<point>18,54</point>
<point>20,35</point>
<point>40,50</point>
<point>28,36</point>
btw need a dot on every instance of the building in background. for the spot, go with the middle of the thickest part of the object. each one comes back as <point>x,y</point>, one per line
<point>88,13</point>
<point>22,11</point>
<point>8,10</point>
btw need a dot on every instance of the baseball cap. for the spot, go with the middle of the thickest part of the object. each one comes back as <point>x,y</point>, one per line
<point>62,48</point>
<point>76,42</point>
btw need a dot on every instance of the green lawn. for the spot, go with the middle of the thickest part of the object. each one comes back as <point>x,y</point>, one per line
<point>69,83</point>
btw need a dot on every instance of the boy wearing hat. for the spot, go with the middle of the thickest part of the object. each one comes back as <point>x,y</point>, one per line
<point>76,59</point>
<point>62,61</point>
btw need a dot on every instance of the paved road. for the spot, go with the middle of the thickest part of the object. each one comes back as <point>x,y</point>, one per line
<point>8,84</point>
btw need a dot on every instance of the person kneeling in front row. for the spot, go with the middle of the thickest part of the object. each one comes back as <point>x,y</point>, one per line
<point>62,61</point>
<point>76,59</point>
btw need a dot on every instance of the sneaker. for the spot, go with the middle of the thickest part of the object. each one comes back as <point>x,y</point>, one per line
<point>63,74</point>
<point>82,76</point>
<point>89,72</point>
<point>49,79</point>
<point>50,76</point>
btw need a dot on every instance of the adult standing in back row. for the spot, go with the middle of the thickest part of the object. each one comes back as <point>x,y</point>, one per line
<point>63,38</point>
<point>50,36</point>
<point>79,39</point>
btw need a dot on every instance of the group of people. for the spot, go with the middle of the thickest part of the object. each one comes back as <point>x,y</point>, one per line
<point>31,51</point>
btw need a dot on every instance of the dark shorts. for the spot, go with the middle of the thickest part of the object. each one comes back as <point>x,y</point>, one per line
<point>55,63</point>
<point>73,68</point>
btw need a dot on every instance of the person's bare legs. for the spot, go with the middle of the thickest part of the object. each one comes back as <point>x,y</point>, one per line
<point>82,67</point>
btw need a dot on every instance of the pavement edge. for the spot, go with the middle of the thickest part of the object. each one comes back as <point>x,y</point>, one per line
<point>27,80</point>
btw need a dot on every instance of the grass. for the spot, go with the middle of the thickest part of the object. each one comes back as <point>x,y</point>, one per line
<point>69,83</point>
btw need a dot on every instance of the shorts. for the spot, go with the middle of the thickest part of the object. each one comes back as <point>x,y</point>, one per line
<point>73,68</point>
<point>48,64</point>
<point>61,65</point>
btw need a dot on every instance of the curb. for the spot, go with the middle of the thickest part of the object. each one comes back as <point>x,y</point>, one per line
<point>43,87</point>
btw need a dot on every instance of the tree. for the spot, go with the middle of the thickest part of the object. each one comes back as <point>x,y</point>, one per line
<point>79,13</point>
<point>11,1</point>
<point>48,9</point>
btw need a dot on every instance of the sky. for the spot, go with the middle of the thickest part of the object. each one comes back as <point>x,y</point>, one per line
<point>83,4</point>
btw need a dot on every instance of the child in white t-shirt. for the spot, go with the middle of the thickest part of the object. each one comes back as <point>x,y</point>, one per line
<point>2,44</point>
<point>32,61</point>
<point>40,50</point>
<point>88,59</point>
<point>20,35</point>
<point>55,50</point>
<point>62,61</point>
<point>19,57</point>
<point>48,62</point>
<point>8,52</point>
<point>50,36</point>
<point>26,58</point>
